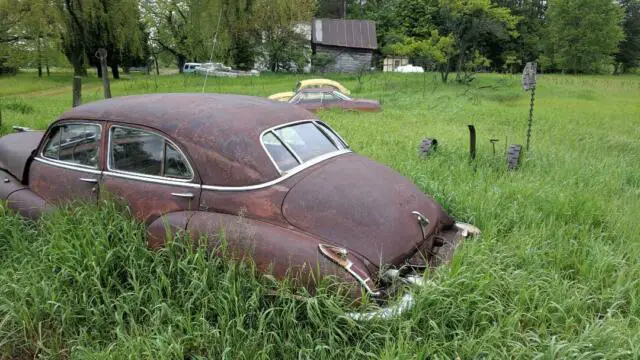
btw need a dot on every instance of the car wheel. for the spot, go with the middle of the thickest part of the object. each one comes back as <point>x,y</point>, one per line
<point>428,146</point>
<point>513,156</point>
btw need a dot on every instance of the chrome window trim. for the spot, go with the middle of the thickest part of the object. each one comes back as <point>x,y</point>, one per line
<point>138,176</point>
<point>66,165</point>
<point>286,146</point>
<point>341,95</point>
<point>286,175</point>
<point>71,122</point>
<point>273,128</point>
<point>327,127</point>
<point>156,180</point>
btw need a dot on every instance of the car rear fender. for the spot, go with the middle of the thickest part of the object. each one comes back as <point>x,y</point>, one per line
<point>19,198</point>
<point>275,250</point>
<point>16,151</point>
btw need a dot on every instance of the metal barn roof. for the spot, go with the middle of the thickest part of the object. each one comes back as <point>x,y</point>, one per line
<point>359,34</point>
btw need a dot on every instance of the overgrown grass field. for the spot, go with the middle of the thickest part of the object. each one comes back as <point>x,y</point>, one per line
<point>555,274</point>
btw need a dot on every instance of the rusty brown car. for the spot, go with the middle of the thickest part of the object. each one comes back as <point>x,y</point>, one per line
<point>283,187</point>
<point>314,99</point>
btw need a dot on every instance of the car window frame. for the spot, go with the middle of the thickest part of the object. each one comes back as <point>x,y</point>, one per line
<point>47,137</point>
<point>142,176</point>
<point>322,128</point>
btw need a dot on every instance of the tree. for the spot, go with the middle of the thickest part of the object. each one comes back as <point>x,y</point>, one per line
<point>583,35</point>
<point>187,29</point>
<point>28,34</point>
<point>463,28</point>
<point>283,47</point>
<point>472,22</point>
<point>90,24</point>
<point>512,55</point>
<point>438,50</point>
<point>628,56</point>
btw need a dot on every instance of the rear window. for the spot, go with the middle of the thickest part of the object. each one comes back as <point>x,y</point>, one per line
<point>293,145</point>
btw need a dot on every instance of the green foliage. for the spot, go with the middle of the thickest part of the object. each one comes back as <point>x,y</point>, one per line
<point>283,48</point>
<point>436,50</point>
<point>583,35</point>
<point>320,61</point>
<point>554,275</point>
<point>628,56</point>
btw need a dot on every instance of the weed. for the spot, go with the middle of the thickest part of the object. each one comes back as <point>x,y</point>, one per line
<point>554,275</point>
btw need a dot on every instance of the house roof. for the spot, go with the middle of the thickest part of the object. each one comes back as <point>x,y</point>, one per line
<point>359,34</point>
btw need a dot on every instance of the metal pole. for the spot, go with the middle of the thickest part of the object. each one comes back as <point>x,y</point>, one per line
<point>533,97</point>
<point>102,55</point>
<point>472,142</point>
<point>77,91</point>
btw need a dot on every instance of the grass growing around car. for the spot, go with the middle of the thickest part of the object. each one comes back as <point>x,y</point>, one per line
<point>556,273</point>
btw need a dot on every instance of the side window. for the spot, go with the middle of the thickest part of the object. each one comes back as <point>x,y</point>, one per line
<point>138,151</point>
<point>310,97</point>
<point>74,143</point>
<point>331,98</point>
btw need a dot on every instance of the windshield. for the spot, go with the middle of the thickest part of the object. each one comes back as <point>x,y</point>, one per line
<point>293,145</point>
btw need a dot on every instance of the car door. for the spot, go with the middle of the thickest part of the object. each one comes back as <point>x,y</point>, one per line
<point>311,101</point>
<point>68,165</point>
<point>330,100</point>
<point>149,172</point>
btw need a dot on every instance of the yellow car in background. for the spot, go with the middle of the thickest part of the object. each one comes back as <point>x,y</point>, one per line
<point>309,84</point>
<point>282,96</point>
<point>322,83</point>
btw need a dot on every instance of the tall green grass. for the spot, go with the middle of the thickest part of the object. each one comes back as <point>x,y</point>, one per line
<point>555,274</point>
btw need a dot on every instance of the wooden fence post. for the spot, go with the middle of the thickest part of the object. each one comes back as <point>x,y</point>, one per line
<point>77,91</point>
<point>102,55</point>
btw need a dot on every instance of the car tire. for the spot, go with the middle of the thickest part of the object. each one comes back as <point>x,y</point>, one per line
<point>513,156</point>
<point>428,146</point>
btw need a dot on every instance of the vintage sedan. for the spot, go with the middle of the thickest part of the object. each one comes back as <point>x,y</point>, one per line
<point>327,98</point>
<point>321,83</point>
<point>283,187</point>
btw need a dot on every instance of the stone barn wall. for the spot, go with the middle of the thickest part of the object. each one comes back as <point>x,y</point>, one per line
<point>348,60</point>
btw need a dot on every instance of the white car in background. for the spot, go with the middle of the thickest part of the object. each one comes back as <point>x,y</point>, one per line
<point>409,69</point>
<point>190,67</point>
<point>219,69</point>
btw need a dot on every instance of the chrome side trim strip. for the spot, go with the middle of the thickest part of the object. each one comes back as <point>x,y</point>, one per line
<point>286,175</point>
<point>65,165</point>
<point>163,181</point>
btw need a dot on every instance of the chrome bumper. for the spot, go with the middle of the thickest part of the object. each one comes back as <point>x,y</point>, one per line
<point>406,302</point>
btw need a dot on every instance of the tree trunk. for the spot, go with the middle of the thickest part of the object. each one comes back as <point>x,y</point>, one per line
<point>155,59</point>
<point>444,71</point>
<point>77,63</point>
<point>39,50</point>
<point>115,71</point>
<point>99,71</point>
<point>46,65</point>
<point>180,60</point>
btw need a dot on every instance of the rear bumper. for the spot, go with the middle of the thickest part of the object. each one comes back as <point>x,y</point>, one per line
<point>414,280</point>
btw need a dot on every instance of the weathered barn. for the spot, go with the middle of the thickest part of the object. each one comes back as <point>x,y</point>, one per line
<point>348,43</point>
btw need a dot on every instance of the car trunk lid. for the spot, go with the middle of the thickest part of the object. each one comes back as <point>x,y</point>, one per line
<point>365,207</point>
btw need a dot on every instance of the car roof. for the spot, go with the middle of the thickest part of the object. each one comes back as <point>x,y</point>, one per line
<point>219,132</point>
<point>318,89</point>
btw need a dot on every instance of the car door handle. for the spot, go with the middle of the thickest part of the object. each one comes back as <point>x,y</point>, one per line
<point>183,195</point>
<point>89,180</point>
